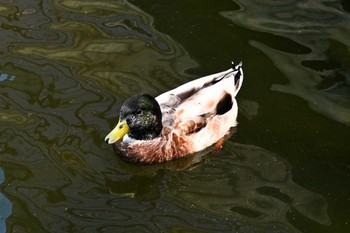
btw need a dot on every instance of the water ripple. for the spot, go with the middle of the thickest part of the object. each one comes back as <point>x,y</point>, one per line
<point>74,62</point>
<point>257,185</point>
<point>321,26</point>
<point>125,39</point>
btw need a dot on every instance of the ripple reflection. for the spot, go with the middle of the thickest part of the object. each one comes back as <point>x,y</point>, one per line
<point>105,39</point>
<point>73,63</point>
<point>249,183</point>
<point>322,26</point>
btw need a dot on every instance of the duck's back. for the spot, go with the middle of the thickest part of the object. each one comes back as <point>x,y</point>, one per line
<point>199,100</point>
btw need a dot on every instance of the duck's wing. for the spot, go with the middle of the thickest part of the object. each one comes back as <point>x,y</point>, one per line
<point>188,107</point>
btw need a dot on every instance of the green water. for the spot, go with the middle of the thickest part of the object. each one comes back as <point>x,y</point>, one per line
<point>66,67</point>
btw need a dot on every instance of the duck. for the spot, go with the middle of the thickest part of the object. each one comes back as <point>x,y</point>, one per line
<point>179,122</point>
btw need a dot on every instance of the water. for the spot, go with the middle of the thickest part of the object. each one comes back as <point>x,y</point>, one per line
<point>66,67</point>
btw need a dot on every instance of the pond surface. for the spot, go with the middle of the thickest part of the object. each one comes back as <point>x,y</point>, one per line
<point>66,67</point>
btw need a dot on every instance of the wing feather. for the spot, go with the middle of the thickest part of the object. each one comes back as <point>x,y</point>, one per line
<point>187,108</point>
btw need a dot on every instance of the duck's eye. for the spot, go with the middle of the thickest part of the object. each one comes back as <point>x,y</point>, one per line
<point>139,111</point>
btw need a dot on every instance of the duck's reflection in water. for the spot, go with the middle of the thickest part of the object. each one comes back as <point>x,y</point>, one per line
<point>248,185</point>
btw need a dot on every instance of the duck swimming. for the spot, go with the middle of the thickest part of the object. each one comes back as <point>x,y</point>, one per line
<point>178,122</point>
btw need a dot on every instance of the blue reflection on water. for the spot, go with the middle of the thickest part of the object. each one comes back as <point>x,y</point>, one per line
<point>4,77</point>
<point>5,206</point>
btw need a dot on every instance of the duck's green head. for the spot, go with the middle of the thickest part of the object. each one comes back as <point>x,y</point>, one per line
<point>140,118</point>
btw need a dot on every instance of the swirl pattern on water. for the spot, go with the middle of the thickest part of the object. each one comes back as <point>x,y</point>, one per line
<point>322,26</point>
<point>106,41</point>
<point>53,115</point>
<point>249,186</point>
<point>254,183</point>
<point>74,61</point>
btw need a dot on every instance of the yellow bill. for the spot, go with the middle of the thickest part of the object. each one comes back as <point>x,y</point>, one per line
<point>118,132</point>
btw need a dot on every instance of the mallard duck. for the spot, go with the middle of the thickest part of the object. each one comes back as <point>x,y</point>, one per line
<point>178,122</point>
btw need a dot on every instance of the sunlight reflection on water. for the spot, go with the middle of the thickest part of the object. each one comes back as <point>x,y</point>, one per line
<point>314,24</point>
<point>106,46</point>
<point>74,62</point>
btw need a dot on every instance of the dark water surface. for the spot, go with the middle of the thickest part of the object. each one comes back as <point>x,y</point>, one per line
<point>66,66</point>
